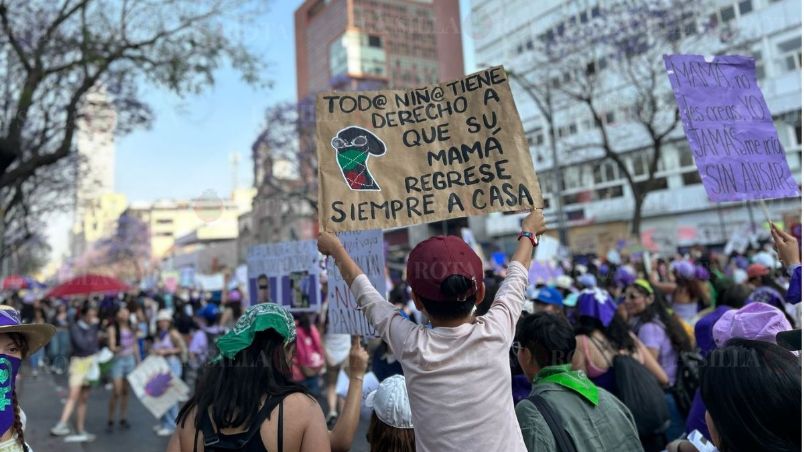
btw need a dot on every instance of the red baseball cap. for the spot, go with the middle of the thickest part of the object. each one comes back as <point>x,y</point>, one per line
<point>755,270</point>
<point>437,258</point>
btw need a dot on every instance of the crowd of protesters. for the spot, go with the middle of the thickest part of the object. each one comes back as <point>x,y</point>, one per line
<point>697,351</point>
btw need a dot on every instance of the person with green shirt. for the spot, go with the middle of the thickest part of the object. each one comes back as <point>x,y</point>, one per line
<point>592,418</point>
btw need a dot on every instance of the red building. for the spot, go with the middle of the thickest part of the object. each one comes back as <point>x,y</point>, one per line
<point>371,44</point>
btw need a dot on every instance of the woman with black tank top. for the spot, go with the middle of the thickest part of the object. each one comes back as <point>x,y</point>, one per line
<point>245,399</point>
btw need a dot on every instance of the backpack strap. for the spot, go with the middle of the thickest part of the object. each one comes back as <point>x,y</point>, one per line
<point>563,440</point>
<point>280,430</point>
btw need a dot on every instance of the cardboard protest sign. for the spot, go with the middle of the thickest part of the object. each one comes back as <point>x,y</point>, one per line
<point>366,248</point>
<point>729,128</point>
<point>156,387</point>
<point>400,157</point>
<point>285,273</point>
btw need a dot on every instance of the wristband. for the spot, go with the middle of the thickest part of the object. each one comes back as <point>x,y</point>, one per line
<point>534,240</point>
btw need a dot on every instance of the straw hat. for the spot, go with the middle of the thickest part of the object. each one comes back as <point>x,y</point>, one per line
<point>37,334</point>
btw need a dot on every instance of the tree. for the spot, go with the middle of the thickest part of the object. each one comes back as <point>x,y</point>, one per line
<point>613,59</point>
<point>53,53</point>
<point>285,170</point>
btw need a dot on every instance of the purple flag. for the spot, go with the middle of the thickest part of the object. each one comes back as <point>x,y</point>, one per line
<point>729,128</point>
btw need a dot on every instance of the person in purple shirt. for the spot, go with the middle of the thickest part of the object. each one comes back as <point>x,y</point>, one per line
<point>663,335</point>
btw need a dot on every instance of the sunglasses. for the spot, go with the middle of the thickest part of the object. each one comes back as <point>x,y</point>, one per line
<point>516,347</point>
<point>340,143</point>
<point>263,287</point>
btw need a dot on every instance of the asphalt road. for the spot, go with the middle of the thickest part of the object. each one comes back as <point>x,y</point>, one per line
<point>43,397</point>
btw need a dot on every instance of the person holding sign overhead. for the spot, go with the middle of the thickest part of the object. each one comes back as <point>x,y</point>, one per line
<point>457,373</point>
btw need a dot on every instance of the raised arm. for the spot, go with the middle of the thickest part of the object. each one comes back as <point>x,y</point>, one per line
<point>343,433</point>
<point>330,245</point>
<point>533,223</point>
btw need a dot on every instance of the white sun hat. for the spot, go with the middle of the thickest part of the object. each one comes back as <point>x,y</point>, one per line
<point>390,402</point>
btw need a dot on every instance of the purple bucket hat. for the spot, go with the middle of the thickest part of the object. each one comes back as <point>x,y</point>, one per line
<point>625,276</point>
<point>684,269</point>
<point>596,303</point>
<point>701,273</point>
<point>755,321</point>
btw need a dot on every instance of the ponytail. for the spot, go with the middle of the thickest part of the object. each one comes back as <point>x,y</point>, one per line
<point>17,426</point>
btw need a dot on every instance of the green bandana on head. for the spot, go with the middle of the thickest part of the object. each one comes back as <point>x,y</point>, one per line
<point>264,316</point>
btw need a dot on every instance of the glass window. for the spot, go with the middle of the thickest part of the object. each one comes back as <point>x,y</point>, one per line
<point>584,17</point>
<point>746,7</point>
<point>595,11</point>
<point>727,13</point>
<point>685,157</point>
<point>713,20</point>
<point>374,41</point>
<point>691,177</point>
<point>573,129</point>
<point>609,117</point>
<point>529,45</point>
<point>757,55</point>
<point>639,163</point>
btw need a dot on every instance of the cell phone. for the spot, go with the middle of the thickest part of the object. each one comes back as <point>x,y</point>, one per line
<point>700,442</point>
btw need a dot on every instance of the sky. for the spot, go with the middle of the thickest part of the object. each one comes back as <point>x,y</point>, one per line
<point>186,152</point>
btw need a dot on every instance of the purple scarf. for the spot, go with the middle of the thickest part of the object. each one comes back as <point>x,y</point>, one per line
<point>9,366</point>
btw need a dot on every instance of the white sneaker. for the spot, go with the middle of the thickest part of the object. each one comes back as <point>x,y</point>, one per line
<point>80,437</point>
<point>164,432</point>
<point>61,429</point>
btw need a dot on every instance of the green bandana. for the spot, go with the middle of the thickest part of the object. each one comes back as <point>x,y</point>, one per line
<point>574,380</point>
<point>257,318</point>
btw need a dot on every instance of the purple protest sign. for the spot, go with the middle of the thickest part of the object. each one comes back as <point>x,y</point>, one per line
<point>729,128</point>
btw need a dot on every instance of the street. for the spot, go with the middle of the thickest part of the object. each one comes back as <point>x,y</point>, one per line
<point>42,398</point>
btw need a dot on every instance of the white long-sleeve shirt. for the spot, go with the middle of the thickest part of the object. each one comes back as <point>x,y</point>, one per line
<point>458,379</point>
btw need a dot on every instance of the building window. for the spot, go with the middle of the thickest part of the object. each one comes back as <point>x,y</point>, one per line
<point>606,172</point>
<point>529,44</point>
<point>691,178</point>
<point>727,14</point>
<point>374,41</point>
<point>609,192</point>
<point>640,164</point>
<point>609,117</point>
<point>584,17</point>
<point>573,129</point>
<point>759,66</point>
<point>573,177</point>
<point>164,221</point>
<point>745,6</point>
<point>790,54</point>
<point>685,157</point>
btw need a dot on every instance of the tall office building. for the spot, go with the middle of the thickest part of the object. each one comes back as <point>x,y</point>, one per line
<point>356,45</point>
<point>596,196</point>
<point>370,44</point>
